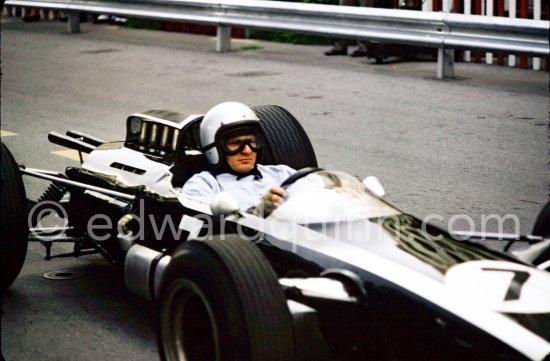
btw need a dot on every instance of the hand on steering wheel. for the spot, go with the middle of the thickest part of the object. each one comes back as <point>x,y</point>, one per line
<point>270,201</point>
<point>275,196</point>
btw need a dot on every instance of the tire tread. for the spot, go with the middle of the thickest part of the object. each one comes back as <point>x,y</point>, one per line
<point>14,234</point>
<point>287,140</point>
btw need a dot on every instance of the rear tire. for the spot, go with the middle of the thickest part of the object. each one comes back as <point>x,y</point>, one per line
<point>220,300</point>
<point>542,224</point>
<point>542,228</point>
<point>287,140</point>
<point>14,231</point>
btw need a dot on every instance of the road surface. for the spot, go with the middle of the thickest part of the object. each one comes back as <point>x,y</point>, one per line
<point>474,147</point>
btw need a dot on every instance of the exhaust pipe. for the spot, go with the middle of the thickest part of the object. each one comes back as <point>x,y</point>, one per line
<point>96,142</point>
<point>68,142</point>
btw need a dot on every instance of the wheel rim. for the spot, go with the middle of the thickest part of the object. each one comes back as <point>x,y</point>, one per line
<point>188,326</point>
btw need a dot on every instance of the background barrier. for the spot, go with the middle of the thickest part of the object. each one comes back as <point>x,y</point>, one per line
<point>525,9</point>
<point>442,30</point>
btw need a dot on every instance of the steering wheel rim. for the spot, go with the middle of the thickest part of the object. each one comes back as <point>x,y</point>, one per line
<point>298,175</point>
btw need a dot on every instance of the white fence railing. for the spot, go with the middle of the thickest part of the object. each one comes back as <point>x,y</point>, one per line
<point>527,9</point>
<point>445,31</point>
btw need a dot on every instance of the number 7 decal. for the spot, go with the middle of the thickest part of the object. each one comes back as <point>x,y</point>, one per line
<point>522,289</point>
<point>519,279</point>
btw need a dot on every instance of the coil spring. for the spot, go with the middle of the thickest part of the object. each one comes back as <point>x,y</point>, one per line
<point>54,193</point>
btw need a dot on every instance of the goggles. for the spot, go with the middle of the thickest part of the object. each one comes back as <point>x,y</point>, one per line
<point>236,146</point>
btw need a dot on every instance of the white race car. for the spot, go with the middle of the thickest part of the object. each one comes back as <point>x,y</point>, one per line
<point>335,273</point>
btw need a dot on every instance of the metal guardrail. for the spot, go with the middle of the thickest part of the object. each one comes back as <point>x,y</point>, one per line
<point>444,31</point>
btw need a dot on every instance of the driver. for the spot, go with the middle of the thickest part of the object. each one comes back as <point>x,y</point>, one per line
<point>231,139</point>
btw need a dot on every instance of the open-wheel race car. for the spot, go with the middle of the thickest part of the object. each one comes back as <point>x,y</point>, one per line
<point>335,273</point>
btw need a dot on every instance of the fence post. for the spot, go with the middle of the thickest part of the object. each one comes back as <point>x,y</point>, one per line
<point>446,57</point>
<point>478,6</point>
<point>512,14</point>
<point>489,12</point>
<point>467,11</point>
<point>523,10</point>
<point>223,39</point>
<point>445,63</point>
<point>73,23</point>
<point>500,13</point>
<point>427,6</point>
<point>536,16</point>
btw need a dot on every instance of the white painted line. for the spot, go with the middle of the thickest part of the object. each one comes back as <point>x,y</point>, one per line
<point>70,154</point>
<point>5,133</point>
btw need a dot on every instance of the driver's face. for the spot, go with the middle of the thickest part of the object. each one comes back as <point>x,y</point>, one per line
<point>244,161</point>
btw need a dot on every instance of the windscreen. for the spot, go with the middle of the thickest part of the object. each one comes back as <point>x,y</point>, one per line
<point>329,196</point>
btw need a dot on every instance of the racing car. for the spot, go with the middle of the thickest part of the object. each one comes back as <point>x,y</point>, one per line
<point>335,273</point>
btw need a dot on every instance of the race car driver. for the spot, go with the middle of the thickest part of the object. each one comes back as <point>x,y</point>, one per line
<point>232,140</point>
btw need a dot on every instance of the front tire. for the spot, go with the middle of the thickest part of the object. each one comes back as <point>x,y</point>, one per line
<point>14,231</point>
<point>542,224</point>
<point>542,228</point>
<point>221,301</point>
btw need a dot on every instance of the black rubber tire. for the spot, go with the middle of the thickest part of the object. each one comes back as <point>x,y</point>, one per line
<point>542,228</point>
<point>14,233</point>
<point>221,300</point>
<point>542,224</point>
<point>287,140</point>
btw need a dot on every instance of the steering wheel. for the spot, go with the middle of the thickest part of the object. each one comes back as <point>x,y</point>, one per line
<point>298,175</point>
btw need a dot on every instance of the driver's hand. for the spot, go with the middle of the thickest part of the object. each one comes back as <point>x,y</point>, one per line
<point>270,201</point>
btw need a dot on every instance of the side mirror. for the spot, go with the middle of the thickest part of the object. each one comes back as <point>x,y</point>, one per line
<point>224,204</point>
<point>373,185</point>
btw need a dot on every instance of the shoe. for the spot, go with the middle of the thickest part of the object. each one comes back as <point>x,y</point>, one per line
<point>336,52</point>
<point>358,53</point>
<point>102,19</point>
<point>117,20</point>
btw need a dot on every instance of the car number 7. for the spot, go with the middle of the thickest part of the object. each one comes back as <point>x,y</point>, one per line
<point>519,279</point>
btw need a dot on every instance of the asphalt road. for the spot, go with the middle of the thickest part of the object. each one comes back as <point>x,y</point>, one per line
<point>475,146</point>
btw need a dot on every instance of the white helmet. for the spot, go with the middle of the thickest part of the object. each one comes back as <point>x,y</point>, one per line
<point>220,120</point>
